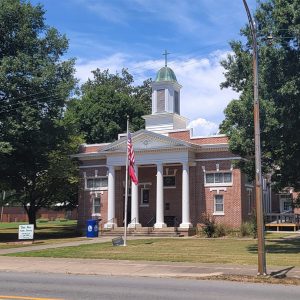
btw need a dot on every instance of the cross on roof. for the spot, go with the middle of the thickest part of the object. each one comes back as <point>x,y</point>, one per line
<point>166,57</point>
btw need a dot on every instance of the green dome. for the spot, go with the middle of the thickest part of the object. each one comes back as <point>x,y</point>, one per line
<point>166,74</point>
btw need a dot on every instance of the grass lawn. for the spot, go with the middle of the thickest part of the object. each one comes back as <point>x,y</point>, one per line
<point>49,232</point>
<point>280,252</point>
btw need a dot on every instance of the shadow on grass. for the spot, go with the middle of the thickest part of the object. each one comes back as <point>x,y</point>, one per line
<point>42,233</point>
<point>285,246</point>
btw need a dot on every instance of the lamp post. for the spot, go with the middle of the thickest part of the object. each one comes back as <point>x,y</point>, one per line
<point>258,176</point>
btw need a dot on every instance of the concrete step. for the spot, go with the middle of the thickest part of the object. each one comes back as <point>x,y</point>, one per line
<point>143,231</point>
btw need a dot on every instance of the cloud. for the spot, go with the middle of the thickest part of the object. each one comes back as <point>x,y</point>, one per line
<point>201,96</point>
<point>202,127</point>
<point>114,63</point>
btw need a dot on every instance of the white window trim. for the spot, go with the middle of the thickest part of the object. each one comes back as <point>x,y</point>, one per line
<point>94,189</point>
<point>93,205</point>
<point>219,183</point>
<point>141,202</point>
<point>218,213</point>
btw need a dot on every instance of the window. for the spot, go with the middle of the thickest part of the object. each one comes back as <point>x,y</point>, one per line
<point>176,102</point>
<point>285,202</point>
<point>227,177</point>
<point>219,205</point>
<point>287,205</point>
<point>169,181</point>
<point>96,183</point>
<point>161,101</point>
<point>145,196</point>
<point>219,178</point>
<point>96,205</point>
<point>250,201</point>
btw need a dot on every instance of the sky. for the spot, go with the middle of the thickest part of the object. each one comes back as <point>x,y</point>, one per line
<point>133,34</point>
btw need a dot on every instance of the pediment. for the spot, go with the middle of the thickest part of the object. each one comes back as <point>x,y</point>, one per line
<point>144,140</point>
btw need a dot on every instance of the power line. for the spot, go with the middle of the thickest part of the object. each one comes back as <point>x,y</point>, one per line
<point>31,101</point>
<point>29,95</point>
<point>53,100</point>
<point>36,99</point>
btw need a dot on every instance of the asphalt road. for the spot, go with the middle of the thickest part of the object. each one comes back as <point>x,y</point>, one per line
<point>37,286</point>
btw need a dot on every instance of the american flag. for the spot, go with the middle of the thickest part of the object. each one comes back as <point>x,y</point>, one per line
<point>130,150</point>
<point>131,159</point>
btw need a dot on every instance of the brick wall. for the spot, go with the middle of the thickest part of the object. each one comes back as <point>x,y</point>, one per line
<point>185,136</point>
<point>211,155</point>
<point>181,135</point>
<point>18,214</point>
<point>209,140</point>
<point>148,175</point>
<point>91,148</point>
<point>201,198</point>
<point>232,196</point>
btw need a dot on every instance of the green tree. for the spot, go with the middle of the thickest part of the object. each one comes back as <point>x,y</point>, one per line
<point>279,92</point>
<point>34,86</point>
<point>100,112</point>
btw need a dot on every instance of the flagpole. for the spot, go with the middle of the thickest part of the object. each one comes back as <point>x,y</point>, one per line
<point>126,188</point>
<point>2,208</point>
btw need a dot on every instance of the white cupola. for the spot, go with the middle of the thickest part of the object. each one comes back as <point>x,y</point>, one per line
<point>165,115</point>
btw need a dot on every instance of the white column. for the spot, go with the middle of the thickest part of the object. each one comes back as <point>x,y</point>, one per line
<point>134,203</point>
<point>111,198</point>
<point>159,198</point>
<point>185,197</point>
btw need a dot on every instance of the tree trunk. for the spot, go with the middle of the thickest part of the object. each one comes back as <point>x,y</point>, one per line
<point>31,212</point>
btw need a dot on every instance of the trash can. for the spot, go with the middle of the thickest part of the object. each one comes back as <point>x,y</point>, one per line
<point>92,228</point>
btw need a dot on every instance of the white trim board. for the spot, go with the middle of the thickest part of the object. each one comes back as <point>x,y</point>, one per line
<point>92,166</point>
<point>218,159</point>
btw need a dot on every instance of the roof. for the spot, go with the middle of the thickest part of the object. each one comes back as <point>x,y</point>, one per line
<point>166,74</point>
<point>147,140</point>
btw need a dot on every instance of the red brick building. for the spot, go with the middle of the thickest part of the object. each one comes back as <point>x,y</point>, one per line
<point>180,176</point>
<point>18,214</point>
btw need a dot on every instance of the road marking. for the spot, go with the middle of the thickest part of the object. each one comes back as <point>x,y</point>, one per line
<point>26,298</point>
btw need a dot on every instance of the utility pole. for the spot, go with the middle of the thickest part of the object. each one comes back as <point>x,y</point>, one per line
<point>258,175</point>
<point>126,187</point>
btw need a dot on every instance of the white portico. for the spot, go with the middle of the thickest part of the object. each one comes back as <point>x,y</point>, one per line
<point>151,149</point>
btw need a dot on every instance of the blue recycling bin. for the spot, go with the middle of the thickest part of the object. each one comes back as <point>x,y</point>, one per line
<point>92,228</point>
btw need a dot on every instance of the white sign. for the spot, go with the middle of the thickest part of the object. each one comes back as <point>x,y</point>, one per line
<point>26,232</point>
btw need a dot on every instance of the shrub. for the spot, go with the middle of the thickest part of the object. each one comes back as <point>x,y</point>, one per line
<point>248,229</point>
<point>245,229</point>
<point>221,230</point>
<point>209,223</point>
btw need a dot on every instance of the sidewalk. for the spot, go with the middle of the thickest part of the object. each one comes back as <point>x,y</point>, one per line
<point>121,267</point>
<point>27,248</point>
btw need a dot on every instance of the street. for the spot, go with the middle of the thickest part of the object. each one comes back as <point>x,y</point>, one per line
<point>17,285</point>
